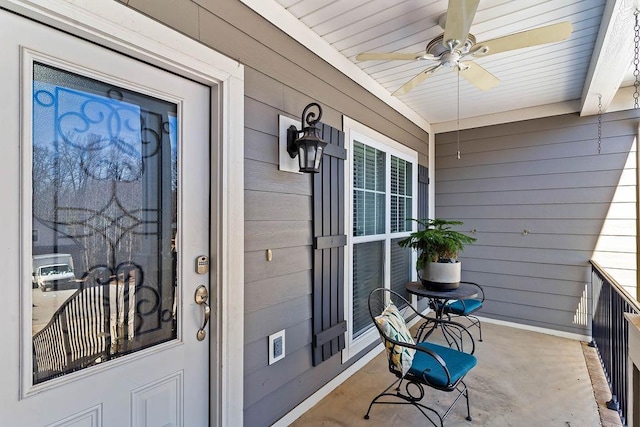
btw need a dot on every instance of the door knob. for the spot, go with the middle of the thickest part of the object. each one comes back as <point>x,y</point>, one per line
<point>202,296</point>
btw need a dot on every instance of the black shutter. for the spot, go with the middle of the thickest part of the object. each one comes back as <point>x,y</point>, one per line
<point>423,192</point>
<point>423,206</point>
<point>329,242</point>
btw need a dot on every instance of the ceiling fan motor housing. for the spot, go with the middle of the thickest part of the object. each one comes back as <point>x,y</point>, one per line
<point>450,59</point>
<point>436,47</point>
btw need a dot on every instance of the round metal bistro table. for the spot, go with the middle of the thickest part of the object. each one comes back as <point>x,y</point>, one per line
<point>439,299</point>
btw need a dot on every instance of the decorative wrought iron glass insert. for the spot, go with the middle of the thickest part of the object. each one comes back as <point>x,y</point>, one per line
<point>104,174</point>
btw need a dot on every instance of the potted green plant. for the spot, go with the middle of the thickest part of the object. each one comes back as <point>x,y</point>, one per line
<point>438,247</point>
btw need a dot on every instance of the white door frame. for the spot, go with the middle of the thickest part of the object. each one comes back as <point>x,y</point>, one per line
<point>111,24</point>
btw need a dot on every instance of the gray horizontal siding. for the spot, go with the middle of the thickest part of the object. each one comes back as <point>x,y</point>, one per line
<point>559,256</point>
<point>284,261</point>
<point>276,234</point>
<point>542,202</point>
<point>302,383</point>
<point>566,165</point>
<point>260,146</point>
<point>554,225</point>
<point>298,337</point>
<point>525,268</point>
<point>552,196</point>
<point>542,317</point>
<point>499,282</point>
<point>532,182</point>
<point>265,205</point>
<point>262,176</point>
<point>263,382</point>
<point>277,317</point>
<point>272,291</point>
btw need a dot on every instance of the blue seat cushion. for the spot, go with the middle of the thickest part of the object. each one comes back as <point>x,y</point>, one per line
<point>458,363</point>
<point>463,309</point>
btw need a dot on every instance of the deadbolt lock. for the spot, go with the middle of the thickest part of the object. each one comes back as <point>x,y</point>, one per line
<point>202,264</point>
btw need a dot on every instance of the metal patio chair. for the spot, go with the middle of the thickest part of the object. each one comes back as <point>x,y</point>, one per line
<point>466,308</point>
<point>420,365</point>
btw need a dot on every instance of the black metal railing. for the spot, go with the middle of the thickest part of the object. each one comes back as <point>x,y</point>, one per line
<point>610,334</point>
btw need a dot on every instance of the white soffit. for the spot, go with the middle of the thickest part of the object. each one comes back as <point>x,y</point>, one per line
<point>285,21</point>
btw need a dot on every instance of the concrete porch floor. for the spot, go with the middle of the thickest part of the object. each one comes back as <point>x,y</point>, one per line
<point>523,378</point>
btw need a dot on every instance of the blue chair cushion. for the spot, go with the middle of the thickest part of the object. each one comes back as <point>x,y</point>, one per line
<point>458,363</point>
<point>463,309</point>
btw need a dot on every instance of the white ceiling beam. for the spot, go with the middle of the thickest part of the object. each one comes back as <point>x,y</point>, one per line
<point>623,100</point>
<point>613,55</point>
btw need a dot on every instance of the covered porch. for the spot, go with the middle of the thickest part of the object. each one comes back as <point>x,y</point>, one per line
<point>545,188</point>
<point>525,376</point>
<point>522,378</point>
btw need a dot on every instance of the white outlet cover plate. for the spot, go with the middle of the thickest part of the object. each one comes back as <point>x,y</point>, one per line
<point>272,338</point>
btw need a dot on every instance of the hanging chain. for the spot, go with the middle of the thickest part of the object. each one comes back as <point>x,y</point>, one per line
<point>458,120</point>
<point>599,123</point>
<point>636,61</point>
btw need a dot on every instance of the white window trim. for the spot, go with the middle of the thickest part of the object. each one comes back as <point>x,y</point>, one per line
<point>357,131</point>
<point>114,25</point>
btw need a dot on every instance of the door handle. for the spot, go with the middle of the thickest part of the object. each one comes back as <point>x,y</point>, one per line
<point>202,296</point>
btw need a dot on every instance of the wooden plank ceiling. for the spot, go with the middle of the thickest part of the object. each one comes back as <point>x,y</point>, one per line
<point>554,74</point>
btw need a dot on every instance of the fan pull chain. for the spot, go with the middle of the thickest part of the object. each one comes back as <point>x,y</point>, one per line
<point>599,123</point>
<point>636,62</point>
<point>458,119</point>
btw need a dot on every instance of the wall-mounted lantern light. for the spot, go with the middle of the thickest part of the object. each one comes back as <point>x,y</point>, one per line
<point>308,147</point>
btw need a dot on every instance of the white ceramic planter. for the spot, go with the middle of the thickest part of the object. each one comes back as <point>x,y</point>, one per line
<point>441,275</point>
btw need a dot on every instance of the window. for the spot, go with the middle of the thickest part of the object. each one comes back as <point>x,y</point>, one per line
<point>383,176</point>
<point>368,190</point>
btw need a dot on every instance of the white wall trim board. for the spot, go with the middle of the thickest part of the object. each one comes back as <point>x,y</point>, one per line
<point>112,24</point>
<point>549,110</point>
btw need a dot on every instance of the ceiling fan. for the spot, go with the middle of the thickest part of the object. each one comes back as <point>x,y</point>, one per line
<point>456,43</point>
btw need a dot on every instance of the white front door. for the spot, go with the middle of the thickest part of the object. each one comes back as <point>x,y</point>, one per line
<point>105,225</point>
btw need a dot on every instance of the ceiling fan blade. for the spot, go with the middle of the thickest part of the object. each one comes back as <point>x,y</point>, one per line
<point>478,76</point>
<point>373,56</point>
<point>426,73</point>
<point>460,14</point>
<point>547,34</point>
